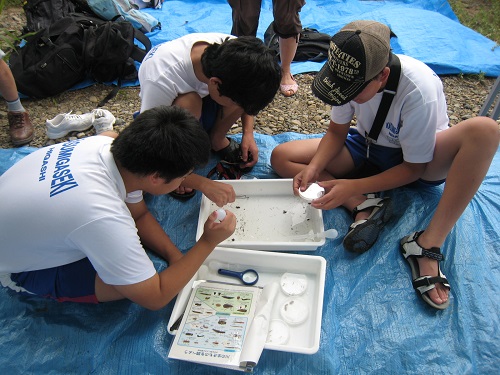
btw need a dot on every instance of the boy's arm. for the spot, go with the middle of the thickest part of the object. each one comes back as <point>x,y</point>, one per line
<point>248,141</point>
<point>338,191</point>
<point>152,234</point>
<point>218,192</point>
<point>157,291</point>
<point>330,146</point>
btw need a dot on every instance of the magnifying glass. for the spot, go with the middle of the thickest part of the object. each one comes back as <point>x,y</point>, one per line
<point>247,277</point>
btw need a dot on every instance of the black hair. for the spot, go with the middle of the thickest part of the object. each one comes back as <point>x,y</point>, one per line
<point>167,140</point>
<point>249,71</point>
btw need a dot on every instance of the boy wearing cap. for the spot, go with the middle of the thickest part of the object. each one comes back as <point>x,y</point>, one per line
<point>415,146</point>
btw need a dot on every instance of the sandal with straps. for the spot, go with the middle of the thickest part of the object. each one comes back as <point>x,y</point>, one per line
<point>411,250</point>
<point>362,234</point>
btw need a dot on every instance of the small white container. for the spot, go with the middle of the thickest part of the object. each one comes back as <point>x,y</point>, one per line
<point>268,216</point>
<point>303,337</point>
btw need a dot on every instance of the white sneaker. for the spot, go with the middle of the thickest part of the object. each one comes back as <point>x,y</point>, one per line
<point>103,120</point>
<point>64,123</point>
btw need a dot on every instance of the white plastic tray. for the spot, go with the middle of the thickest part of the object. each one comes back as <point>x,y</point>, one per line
<point>305,337</point>
<point>268,216</point>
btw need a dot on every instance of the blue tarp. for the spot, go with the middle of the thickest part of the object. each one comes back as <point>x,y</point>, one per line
<point>373,321</point>
<point>427,30</point>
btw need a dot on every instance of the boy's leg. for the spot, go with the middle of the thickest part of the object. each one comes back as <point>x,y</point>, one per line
<point>224,119</point>
<point>290,158</point>
<point>462,155</point>
<point>20,127</point>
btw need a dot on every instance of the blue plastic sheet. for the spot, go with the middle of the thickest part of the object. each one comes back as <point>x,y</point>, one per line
<point>373,321</point>
<point>427,30</point>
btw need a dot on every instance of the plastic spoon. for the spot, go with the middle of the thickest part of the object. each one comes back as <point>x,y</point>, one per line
<point>330,233</point>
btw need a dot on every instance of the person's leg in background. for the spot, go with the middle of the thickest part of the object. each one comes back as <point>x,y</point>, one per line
<point>245,15</point>
<point>20,126</point>
<point>288,26</point>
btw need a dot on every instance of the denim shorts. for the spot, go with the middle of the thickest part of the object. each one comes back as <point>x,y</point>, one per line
<point>380,159</point>
<point>74,282</point>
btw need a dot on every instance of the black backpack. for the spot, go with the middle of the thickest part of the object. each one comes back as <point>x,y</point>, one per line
<point>78,46</point>
<point>110,51</point>
<point>43,13</point>
<point>51,61</point>
<point>313,45</point>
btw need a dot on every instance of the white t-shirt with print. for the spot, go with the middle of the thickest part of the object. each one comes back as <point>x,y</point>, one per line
<point>167,70</point>
<point>65,202</point>
<point>417,113</point>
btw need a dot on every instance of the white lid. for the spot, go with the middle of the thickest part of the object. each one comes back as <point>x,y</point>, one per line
<point>314,191</point>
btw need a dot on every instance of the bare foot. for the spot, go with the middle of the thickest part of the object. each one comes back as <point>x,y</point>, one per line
<point>288,86</point>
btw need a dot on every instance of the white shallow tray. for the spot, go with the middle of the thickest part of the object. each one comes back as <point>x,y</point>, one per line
<point>268,216</point>
<point>304,337</point>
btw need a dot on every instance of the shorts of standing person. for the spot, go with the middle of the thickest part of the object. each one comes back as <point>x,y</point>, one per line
<point>245,15</point>
<point>286,17</point>
<point>380,158</point>
<point>74,282</point>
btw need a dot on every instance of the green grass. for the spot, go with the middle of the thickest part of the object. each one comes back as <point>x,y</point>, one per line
<point>480,15</point>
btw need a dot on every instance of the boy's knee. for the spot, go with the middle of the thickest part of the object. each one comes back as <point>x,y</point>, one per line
<point>487,129</point>
<point>278,156</point>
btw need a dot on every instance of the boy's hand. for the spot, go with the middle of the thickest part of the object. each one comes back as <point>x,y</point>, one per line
<point>337,192</point>
<point>219,192</point>
<point>216,232</point>
<point>302,180</point>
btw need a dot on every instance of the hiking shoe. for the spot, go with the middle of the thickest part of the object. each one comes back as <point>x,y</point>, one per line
<point>362,234</point>
<point>103,120</point>
<point>20,128</point>
<point>65,123</point>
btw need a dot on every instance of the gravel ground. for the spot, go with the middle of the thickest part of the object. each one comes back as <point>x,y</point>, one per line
<point>302,113</point>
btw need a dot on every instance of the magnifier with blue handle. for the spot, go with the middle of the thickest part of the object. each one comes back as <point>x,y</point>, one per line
<point>247,277</point>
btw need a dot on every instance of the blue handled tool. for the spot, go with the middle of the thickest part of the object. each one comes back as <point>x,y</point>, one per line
<point>247,277</point>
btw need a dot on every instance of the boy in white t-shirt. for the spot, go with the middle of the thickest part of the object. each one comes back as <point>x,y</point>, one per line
<point>219,78</point>
<point>81,203</point>
<point>415,146</point>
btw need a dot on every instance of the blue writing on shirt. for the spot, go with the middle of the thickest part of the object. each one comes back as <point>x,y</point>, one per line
<point>393,133</point>
<point>43,168</point>
<point>62,178</point>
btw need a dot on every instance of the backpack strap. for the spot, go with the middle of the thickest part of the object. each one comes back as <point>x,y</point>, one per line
<point>138,53</point>
<point>383,108</point>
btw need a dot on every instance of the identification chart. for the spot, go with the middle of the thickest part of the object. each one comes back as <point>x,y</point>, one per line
<point>215,324</point>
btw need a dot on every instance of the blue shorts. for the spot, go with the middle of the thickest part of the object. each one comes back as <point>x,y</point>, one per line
<point>74,282</point>
<point>381,158</point>
<point>209,110</point>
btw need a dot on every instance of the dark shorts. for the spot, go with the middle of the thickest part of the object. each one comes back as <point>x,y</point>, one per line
<point>209,111</point>
<point>246,13</point>
<point>74,282</point>
<point>381,158</point>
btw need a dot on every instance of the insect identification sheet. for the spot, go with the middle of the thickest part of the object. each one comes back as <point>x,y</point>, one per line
<point>215,324</point>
